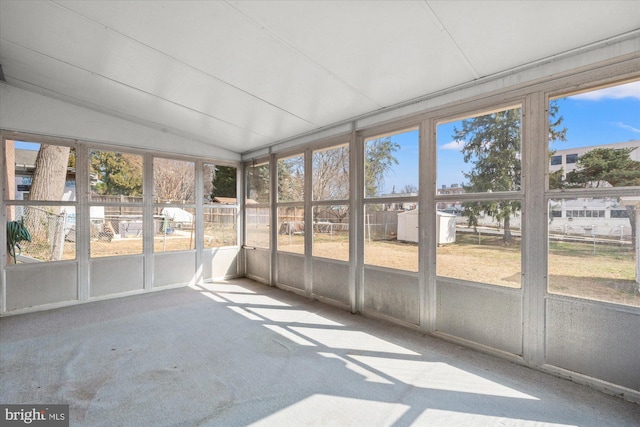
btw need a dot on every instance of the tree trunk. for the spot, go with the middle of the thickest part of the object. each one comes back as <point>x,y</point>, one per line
<point>47,184</point>
<point>507,237</point>
<point>631,212</point>
<point>50,174</point>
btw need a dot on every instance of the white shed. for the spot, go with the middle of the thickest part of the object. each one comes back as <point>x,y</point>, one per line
<point>408,227</point>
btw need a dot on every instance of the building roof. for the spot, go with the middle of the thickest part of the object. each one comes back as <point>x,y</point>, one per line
<point>26,158</point>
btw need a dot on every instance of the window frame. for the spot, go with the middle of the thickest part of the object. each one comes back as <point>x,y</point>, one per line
<point>208,206</point>
<point>604,192</point>
<point>314,202</point>
<point>10,203</point>
<point>258,162</point>
<point>290,204</point>
<point>158,206</point>
<point>488,107</point>
<point>401,199</point>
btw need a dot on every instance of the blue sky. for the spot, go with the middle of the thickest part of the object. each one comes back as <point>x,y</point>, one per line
<point>597,117</point>
<point>406,171</point>
<point>27,145</point>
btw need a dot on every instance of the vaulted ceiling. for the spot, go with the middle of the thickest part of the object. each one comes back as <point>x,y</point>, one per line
<point>241,75</point>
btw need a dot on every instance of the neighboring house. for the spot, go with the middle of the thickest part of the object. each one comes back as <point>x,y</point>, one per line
<point>453,207</point>
<point>25,165</point>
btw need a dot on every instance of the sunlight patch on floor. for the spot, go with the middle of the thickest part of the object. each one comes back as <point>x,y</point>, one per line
<point>251,299</point>
<point>351,340</point>
<point>293,316</point>
<point>290,335</point>
<point>213,296</point>
<point>221,287</point>
<point>241,311</point>
<point>325,410</point>
<point>439,417</point>
<point>439,376</point>
<point>353,367</point>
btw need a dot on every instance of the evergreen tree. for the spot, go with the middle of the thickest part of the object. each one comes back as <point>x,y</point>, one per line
<point>225,182</point>
<point>492,143</point>
<point>117,173</point>
<point>603,167</point>
<point>379,160</point>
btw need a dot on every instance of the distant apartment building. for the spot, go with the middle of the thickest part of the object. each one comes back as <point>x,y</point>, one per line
<point>589,216</point>
<point>568,159</point>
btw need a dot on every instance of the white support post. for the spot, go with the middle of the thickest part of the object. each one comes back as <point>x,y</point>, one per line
<point>148,221</point>
<point>534,227</point>
<point>637,245</point>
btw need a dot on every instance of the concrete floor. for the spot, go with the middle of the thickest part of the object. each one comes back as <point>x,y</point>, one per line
<point>238,353</point>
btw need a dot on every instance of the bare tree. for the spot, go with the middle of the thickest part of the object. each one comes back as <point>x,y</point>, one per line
<point>409,189</point>
<point>331,174</point>
<point>331,182</point>
<point>174,181</point>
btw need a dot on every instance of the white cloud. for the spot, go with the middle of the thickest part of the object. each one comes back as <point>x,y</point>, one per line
<point>453,145</point>
<point>629,90</point>
<point>627,127</point>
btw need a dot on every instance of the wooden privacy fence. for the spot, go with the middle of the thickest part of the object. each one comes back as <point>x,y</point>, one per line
<point>118,210</point>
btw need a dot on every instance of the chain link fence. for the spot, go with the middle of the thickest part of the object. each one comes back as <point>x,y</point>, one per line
<point>52,232</point>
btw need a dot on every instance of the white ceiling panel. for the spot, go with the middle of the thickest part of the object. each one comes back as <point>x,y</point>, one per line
<point>387,50</point>
<point>251,60</point>
<point>88,89</point>
<point>499,35</point>
<point>242,75</point>
<point>147,71</point>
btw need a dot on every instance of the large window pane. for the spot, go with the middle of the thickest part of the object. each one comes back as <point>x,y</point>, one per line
<point>331,173</point>
<point>174,229</point>
<point>291,179</point>
<point>257,226</point>
<point>257,180</point>
<point>174,225</point>
<point>391,164</point>
<point>220,184</point>
<point>115,177</point>
<point>291,229</point>
<point>257,214</point>
<point>220,210</point>
<point>41,233</point>
<point>116,230</point>
<point>40,171</point>
<point>331,232</point>
<point>592,248</point>
<point>383,245</point>
<point>485,250</point>
<point>220,226</point>
<point>595,138</point>
<point>480,154</point>
<point>173,181</point>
